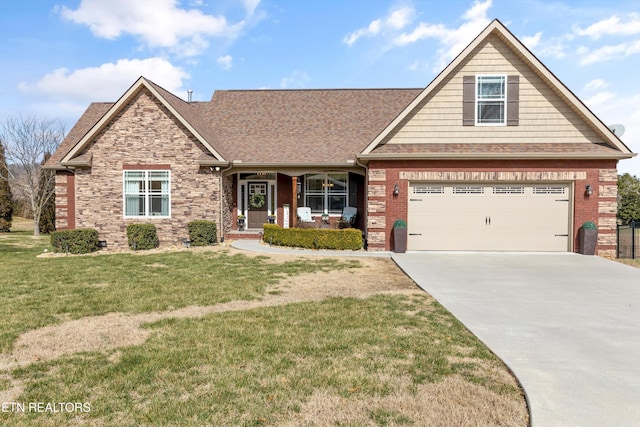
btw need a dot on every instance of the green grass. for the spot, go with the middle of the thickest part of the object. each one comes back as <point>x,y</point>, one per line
<point>36,292</point>
<point>237,368</point>
<point>253,367</point>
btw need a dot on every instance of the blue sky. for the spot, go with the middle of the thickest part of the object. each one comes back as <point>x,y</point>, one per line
<point>57,56</point>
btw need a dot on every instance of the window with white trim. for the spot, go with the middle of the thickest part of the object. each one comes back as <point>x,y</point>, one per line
<point>147,193</point>
<point>491,100</point>
<point>326,193</point>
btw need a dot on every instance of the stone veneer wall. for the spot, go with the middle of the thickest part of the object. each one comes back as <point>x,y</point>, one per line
<point>145,135</point>
<point>601,207</point>
<point>65,200</point>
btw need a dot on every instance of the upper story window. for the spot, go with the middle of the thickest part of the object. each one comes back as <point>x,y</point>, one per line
<point>147,193</point>
<point>491,99</point>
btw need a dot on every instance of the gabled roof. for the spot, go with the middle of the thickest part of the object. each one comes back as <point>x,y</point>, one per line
<point>619,149</point>
<point>330,127</point>
<point>91,116</point>
<point>88,127</point>
<point>324,127</point>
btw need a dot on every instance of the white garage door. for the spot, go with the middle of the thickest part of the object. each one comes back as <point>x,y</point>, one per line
<point>486,217</point>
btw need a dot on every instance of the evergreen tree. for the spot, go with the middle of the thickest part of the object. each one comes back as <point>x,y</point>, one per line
<point>6,200</point>
<point>47,222</point>
<point>628,198</point>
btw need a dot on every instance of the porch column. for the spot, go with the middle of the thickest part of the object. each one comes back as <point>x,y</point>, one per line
<point>294,201</point>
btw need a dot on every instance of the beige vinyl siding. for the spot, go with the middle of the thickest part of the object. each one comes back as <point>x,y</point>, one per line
<point>544,116</point>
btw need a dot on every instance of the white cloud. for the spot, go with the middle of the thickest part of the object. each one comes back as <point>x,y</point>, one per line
<point>596,84</point>
<point>162,25</point>
<point>106,82</point>
<point>532,42</point>
<point>397,19</point>
<point>608,53</point>
<point>600,99</point>
<point>226,62</point>
<point>250,6</point>
<point>453,40</point>
<point>611,26</point>
<point>298,79</point>
<point>400,18</point>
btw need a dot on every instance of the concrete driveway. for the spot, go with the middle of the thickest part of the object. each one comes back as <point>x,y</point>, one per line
<point>568,326</point>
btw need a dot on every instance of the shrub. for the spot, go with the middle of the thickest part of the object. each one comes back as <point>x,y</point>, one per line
<point>315,238</point>
<point>78,241</point>
<point>142,236</point>
<point>400,223</point>
<point>202,233</point>
<point>589,225</point>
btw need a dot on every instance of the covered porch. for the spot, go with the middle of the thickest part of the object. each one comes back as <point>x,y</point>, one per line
<point>260,196</point>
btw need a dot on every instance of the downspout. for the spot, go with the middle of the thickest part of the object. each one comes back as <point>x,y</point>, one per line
<point>366,197</point>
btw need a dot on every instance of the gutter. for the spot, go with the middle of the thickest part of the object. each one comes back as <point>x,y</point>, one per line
<point>495,156</point>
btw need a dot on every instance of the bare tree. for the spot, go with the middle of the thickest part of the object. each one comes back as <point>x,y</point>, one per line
<point>26,140</point>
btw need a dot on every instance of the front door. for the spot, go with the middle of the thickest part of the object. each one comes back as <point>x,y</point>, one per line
<point>258,204</point>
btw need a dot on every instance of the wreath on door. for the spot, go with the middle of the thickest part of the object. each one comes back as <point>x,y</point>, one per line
<point>256,200</point>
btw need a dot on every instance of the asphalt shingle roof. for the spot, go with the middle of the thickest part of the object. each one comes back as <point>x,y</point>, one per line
<point>277,126</point>
<point>300,126</point>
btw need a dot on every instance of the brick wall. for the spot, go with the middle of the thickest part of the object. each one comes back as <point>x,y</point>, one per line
<point>144,133</point>
<point>600,207</point>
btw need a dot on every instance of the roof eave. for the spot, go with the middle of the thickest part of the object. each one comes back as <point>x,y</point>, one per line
<point>494,156</point>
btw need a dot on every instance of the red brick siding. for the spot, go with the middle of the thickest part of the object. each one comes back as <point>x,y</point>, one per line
<point>585,208</point>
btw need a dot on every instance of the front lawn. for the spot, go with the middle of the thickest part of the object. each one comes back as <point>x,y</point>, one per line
<point>297,351</point>
<point>632,262</point>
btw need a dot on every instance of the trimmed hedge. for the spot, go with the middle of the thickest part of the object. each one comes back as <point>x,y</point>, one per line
<point>142,236</point>
<point>78,241</point>
<point>313,238</point>
<point>202,233</point>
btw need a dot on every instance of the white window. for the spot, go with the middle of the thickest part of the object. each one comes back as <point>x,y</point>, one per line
<point>147,193</point>
<point>326,193</point>
<point>491,100</point>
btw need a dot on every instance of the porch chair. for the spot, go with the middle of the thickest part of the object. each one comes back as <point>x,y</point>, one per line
<point>305,214</point>
<point>349,215</point>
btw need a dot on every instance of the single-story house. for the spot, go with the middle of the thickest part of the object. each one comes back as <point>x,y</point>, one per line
<point>494,154</point>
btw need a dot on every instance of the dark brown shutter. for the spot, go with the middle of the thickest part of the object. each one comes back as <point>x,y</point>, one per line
<point>513,100</point>
<point>468,100</point>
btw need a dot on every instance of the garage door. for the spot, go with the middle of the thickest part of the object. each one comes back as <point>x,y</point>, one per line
<point>504,217</point>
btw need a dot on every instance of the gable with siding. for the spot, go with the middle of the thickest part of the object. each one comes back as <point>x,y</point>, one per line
<point>544,119</point>
<point>543,116</point>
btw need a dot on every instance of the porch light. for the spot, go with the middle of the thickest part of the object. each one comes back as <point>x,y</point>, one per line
<point>588,190</point>
<point>396,190</point>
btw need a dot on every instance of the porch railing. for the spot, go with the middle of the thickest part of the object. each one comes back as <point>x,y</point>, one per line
<point>629,241</point>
